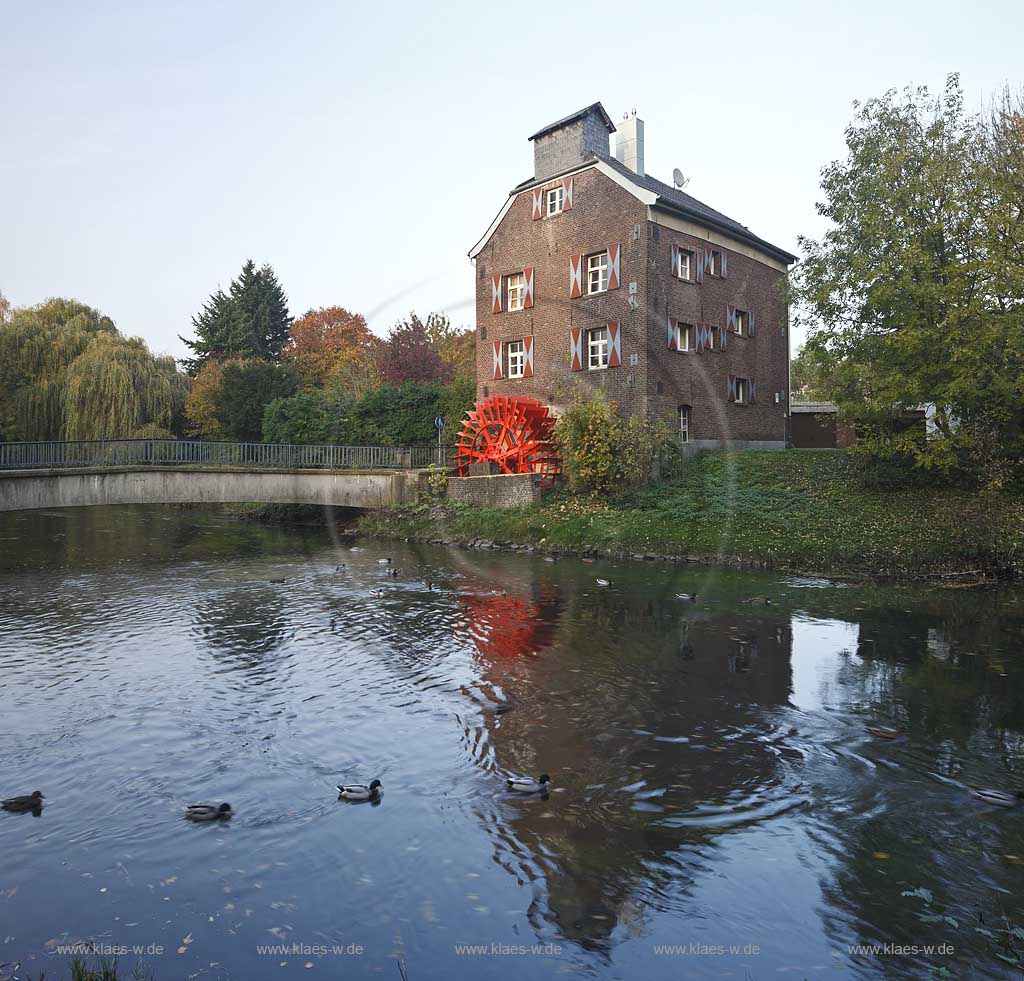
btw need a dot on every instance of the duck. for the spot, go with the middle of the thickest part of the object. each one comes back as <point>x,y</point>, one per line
<point>883,732</point>
<point>31,802</point>
<point>377,592</point>
<point>359,791</point>
<point>1001,798</point>
<point>393,573</point>
<point>527,785</point>
<point>384,561</point>
<point>207,812</point>
<point>604,582</point>
<point>340,568</point>
<point>763,600</point>
<point>688,597</point>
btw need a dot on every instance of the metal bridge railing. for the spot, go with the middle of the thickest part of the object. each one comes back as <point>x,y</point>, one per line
<point>174,452</point>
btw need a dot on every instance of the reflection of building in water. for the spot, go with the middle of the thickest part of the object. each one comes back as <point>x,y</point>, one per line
<point>651,717</point>
<point>504,624</point>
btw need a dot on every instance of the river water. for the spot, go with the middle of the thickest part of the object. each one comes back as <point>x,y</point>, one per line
<point>717,807</point>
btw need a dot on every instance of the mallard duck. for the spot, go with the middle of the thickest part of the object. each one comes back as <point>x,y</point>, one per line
<point>393,573</point>
<point>31,802</point>
<point>604,582</point>
<point>527,785</point>
<point>377,592</point>
<point>1001,798</point>
<point>688,597</point>
<point>207,812</point>
<point>883,732</point>
<point>359,791</point>
<point>340,568</point>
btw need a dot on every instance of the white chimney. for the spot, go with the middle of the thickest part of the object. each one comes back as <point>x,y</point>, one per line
<point>629,143</point>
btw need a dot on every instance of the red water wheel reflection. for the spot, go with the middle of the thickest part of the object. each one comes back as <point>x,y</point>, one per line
<point>515,433</point>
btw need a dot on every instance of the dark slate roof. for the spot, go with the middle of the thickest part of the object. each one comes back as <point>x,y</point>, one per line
<point>605,118</point>
<point>673,199</point>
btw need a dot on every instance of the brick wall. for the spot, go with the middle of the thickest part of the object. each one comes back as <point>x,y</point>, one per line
<point>499,491</point>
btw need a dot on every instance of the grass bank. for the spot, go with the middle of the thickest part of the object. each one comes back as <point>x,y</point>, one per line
<point>799,510</point>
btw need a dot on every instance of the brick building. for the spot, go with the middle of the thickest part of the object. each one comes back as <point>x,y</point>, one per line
<point>596,274</point>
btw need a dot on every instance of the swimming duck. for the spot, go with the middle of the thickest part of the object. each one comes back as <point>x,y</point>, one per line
<point>883,732</point>
<point>359,791</point>
<point>526,785</point>
<point>604,582</point>
<point>384,561</point>
<point>207,812</point>
<point>377,592</point>
<point>1000,797</point>
<point>393,573</point>
<point>31,802</point>
<point>688,597</point>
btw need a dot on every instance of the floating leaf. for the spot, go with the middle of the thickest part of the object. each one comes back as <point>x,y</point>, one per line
<point>880,855</point>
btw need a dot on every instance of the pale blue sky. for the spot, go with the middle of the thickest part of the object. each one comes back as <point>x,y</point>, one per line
<point>361,149</point>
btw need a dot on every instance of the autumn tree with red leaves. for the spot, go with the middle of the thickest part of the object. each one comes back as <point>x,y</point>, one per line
<point>331,341</point>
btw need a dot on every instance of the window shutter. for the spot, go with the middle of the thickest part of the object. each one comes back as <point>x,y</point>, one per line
<point>496,294</point>
<point>752,386</point>
<point>750,323</point>
<point>576,348</point>
<point>575,276</point>
<point>498,367</point>
<point>725,265</point>
<point>675,260</point>
<point>673,334</point>
<point>730,317</point>
<point>567,194</point>
<point>528,280</point>
<point>723,336</point>
<point>613,267</point>
<point>614,345</point>
<point>528,357</point>
<point>732,388</point>
<point>538,198</point>
<point>698,261</point>
<point>709,259</point>
<point>698,338</point>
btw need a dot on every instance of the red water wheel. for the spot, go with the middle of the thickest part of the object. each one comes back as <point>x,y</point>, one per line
<point>515,433</point>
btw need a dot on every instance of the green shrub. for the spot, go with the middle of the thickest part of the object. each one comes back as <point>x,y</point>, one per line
<point>604,453</point>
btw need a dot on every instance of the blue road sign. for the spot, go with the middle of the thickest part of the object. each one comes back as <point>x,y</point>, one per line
<point>439,422</point>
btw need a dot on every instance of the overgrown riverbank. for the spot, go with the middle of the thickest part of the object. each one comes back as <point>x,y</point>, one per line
<point>800,510</point>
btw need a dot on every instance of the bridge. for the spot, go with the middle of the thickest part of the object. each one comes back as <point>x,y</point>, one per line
<point>85,473</point>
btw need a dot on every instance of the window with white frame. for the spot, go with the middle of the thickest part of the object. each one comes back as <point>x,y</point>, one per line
<point>597,272</point>
<point>685,268</point>
<point>515,287</point>
<point>597,348</point>
<point>742,390</point>
<point>555,199</point>
<point>713,265</point>
<point>742,322</point>
<point>684,336</point>
<point>684,423</point>
<point>516,355</point>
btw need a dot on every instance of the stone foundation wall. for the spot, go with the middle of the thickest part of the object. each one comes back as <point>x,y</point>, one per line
<point>499,491</point>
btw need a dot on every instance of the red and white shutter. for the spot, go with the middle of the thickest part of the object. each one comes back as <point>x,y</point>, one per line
<point>699,271</point>
<point>750,323</point>
<point>731,390</point>
<point>723,337</point>
<point>576,348</point>
<point>614,345</point>
<point>698,338</point>
<point>613,266</point>
<point>528,356</point>
<point>575,276</point>
<point>752,388</point>
<point>730,317</point>
<point>675,261</point>
<point>567,194</point>
<point>725,266</point>
<point>528,280</point>
<point>673,334</point>
<point>498,367</point>
<point>709,259</point>
<point>496,294</point>
<point>538,198</point>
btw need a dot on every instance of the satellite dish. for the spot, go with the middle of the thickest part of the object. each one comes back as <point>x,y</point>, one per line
<point>677,178</point>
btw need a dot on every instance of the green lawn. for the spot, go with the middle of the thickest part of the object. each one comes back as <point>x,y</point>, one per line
<point>802,510</point>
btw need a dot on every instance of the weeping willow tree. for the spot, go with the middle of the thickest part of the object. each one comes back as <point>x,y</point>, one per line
<point>69,374</point>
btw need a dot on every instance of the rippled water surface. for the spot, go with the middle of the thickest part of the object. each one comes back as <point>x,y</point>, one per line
<point>713,783</point>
